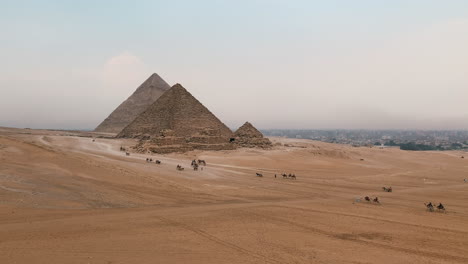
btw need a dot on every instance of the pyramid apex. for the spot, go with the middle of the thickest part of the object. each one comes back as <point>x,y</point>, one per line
<point>178,85</point>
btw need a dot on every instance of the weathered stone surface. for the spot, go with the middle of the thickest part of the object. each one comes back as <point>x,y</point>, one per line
<point>179,111</point>
<point>148,146</point>
<point>145,95</point>
<point>248,136</point>
<point>177,122</point>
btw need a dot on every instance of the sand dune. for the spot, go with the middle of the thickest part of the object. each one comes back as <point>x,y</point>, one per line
<point>67,199</point>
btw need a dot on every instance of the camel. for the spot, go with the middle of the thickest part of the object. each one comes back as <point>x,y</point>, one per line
<point>293,176</point>
<point>376,200</point>
<point>180,168</point>
<point>259,174</point>
<point>158,162</point>
<point>440,207</point>
<point>429,207</point>
<point>389,189</point>
<point>367,198</point>
<point>202,162</point>
<point>127,153</point>
<point>284,176</point>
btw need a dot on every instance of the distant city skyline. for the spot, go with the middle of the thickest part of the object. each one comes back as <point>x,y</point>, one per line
<point>278,64</point>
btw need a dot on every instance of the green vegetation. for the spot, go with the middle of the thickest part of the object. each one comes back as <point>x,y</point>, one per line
<point>391,143</point>
<point>423,147</point>
<point>419,147</point>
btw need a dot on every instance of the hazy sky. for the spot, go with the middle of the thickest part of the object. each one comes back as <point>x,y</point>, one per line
<point>279,64</point>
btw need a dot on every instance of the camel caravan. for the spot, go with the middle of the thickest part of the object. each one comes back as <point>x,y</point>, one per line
<point>124,150</point>
<point>369,199</point>
<point>430,207</point>
<point>285,176</point>
<point>197,163</point>
<point>150,160</point>
<point>389,189</point>
<point>289,176</point>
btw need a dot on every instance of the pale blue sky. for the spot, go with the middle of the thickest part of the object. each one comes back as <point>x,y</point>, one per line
<point>278,64</point>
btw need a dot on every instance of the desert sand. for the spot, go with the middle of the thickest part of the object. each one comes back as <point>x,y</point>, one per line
<point>65,198</point>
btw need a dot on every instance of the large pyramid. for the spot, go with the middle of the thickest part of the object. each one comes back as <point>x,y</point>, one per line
<point>145,95</point>
<point>177,121</point>
<point>248,136</point>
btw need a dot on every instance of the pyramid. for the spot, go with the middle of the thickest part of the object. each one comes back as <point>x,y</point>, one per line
<point>145,95</point>
<point>248,136</point>
<point>248,130</point>
<point>177,121</point>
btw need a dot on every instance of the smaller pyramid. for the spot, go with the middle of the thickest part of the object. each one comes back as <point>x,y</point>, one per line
<point>145,95</point>
<point>248,136</point>
<point>248,130</point>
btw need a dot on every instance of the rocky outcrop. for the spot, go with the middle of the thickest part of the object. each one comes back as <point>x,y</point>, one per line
<point>144,96</point>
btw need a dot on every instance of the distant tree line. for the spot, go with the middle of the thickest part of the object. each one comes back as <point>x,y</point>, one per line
<point>421,147</point>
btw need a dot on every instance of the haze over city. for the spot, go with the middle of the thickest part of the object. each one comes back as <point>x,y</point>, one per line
<point>301,64</point>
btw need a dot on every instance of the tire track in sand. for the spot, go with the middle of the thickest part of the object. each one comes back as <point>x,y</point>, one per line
<point>218,240</point>
<point>356,239</point>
